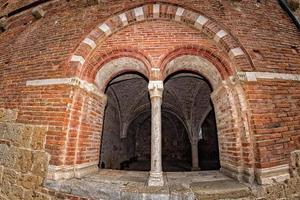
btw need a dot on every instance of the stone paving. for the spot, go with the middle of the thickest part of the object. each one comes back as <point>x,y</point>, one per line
<point>127,185</point>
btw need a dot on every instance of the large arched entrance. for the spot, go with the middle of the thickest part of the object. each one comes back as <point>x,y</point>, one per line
<point>186,119</point>
<point>126,137</point>
<point>188,95</point>
<point>214,55</point>
<point>126,93</point>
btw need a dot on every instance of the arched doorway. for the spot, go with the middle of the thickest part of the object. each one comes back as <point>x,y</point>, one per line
<point>224,55</point>
<point>125,94</point>
<point>126,137</point>
<point>189,95</point>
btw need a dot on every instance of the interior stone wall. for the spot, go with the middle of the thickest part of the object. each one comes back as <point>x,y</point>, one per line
<point>111,141</point>
<point>175,142</point>
<point>176,145</point>
<point>208,145</point>
<point>143,139</point>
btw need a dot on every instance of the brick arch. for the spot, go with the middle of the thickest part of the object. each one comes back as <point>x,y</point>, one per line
<point>195,64</point>
<point>164,11</point>
<point>89,72</point>
<point>224,97</point>
<point>117,66</point>
<point>219,67</point>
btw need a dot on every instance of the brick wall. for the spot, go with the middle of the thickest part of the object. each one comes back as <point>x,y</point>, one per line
<point>275,120</point>
<point>33,49</point>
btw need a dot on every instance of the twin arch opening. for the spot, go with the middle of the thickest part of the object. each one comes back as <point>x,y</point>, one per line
<point>161,131</point>
<point>187,119</point>
<point>216,68</point>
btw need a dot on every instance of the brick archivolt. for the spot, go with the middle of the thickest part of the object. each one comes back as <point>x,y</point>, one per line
<point>161,11</point>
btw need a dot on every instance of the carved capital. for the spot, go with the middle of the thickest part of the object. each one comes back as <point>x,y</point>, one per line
<point>156,88</point>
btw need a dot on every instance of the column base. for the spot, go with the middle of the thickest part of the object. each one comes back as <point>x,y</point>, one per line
<point>156,179</point>
<point>195,169</point>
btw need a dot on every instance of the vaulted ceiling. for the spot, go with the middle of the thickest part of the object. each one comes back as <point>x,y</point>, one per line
<point>186,96</point>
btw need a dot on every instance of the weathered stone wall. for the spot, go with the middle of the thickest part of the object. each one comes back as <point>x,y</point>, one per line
<point>24,161</point>
<point>111,140</point>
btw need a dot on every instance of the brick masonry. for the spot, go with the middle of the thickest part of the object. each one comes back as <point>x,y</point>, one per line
<point>48,67</point>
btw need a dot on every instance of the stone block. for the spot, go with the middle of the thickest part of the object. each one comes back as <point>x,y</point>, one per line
<point>1,173</point>
<point>2,197</point>
<point>7,155</point>
<point>38,138</point>
<point>227,189</point>
<point>275,191</point>
<point>18,134</point>
<point>30,181</point>
<point>295,163</point>
<point>16,193</point>
<point>292,186</point>
<point>10,176</point>
<point>3,27</point>
<point>5,188</point>
<point>40,163</point>
<point>38,12</point>
<point>23,160</point>
<point>8,115</point>
<point>2,129</point>
<point>178,191</point>
<point>33,195</point>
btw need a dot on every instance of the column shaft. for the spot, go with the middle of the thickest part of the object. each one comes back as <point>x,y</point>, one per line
<point>156,174</point>
<point>195,158</point>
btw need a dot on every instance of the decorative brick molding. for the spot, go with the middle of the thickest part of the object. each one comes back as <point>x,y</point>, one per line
<point>75,81</point>
<point>253,76</point>
<point>163,11</point>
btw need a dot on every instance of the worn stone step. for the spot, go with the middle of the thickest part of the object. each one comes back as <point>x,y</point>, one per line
<point>225,189</point>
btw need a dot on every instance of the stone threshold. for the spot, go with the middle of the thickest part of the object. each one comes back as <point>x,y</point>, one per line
<point>127,185</point>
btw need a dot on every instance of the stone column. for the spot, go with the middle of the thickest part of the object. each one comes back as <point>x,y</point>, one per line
<point>156,174</point>
<point>195,158</point>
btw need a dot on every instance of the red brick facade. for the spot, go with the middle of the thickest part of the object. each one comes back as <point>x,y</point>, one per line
<point>258,120</point>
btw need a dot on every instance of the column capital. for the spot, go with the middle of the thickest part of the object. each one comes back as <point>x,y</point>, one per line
<point>156,88</point>
<point>194,140</point>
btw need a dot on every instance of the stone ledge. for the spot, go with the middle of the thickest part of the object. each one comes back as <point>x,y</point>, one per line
<point>253,76</point>
<point>67,172</point>
<point>75,81</point>
<point>272,174</point>
<point>232,171</point>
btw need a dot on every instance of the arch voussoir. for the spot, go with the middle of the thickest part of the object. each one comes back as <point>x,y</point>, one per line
<point>164,11</point>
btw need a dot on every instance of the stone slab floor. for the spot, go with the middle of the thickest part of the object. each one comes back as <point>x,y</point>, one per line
<point>131,185</point>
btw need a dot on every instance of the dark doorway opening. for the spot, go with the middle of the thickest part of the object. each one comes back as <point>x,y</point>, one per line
<point>187,115</point>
